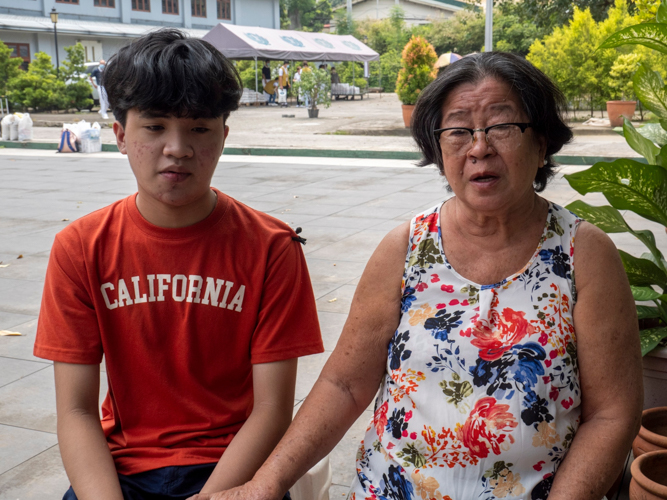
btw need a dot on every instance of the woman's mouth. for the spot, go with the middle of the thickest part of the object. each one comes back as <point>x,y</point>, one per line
<point>484,178</point>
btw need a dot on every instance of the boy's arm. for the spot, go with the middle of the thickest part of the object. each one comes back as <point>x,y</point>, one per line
<point>83,447</point>
<point>273,387</point>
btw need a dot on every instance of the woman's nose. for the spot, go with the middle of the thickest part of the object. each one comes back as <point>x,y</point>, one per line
<point>480,147</point>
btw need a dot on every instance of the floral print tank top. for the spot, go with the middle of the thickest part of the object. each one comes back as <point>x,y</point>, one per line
<point>481,396</point>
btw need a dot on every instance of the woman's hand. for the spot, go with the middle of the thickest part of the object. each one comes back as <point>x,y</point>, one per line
<point>249,491</point>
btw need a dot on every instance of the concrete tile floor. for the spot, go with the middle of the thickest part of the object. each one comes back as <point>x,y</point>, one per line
<point>344,206</point>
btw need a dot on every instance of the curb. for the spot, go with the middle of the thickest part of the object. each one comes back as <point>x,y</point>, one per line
<point>320,153</point>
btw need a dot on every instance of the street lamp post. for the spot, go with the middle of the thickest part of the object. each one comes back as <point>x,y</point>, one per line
<point>488,28</point>
<point>54,20</point>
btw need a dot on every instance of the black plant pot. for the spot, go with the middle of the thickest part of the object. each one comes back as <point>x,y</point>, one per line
<point>312,113</point>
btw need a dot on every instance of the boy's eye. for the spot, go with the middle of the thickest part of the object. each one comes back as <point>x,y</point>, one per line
<point>200,130</point>
<point>154,128</point>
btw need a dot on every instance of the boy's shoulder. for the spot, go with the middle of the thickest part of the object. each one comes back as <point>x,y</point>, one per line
<point>230,217</point>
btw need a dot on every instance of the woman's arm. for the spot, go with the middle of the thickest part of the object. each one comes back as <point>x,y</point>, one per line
<point>610,370</point>
<point>348,381</point>
<point>83,447</point>
<point>273,404</point>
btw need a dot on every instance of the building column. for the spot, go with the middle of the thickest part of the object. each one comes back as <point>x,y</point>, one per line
<point>276,14</point>
<point>47,6</point>
<point>187,13</point>
<point>126,11</point>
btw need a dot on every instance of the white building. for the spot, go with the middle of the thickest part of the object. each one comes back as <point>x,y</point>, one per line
<point>103,26</point>
<point>416,11</point>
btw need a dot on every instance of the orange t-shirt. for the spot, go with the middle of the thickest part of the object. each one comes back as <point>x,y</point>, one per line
<point>181,315</point>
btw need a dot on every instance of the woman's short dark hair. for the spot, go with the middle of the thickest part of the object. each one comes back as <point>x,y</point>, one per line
<point>542,102</point>
<point>171,73</point>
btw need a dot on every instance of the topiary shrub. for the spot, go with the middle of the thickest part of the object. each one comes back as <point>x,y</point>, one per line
<point>417,69</point>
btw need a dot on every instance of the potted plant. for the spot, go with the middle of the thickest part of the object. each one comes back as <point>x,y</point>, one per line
<point>641,188</point>
<point>314,87</point>
<point>417,71</point>
<point>621,86</point>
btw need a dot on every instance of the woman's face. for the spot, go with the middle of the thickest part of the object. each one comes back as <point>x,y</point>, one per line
<point>484,179</point>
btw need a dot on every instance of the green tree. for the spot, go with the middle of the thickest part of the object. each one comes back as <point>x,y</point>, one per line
<point>38,88</point>
<point>78,92</point>
<point>549,14</point>
<point>463,33</point>
<point>570,57</point>
<point>417,69</point>
<point>511,34</point>
<point>10,67</point>
<point>306,15</point>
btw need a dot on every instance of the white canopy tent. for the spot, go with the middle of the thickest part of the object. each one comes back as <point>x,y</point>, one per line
<point>247,42</point>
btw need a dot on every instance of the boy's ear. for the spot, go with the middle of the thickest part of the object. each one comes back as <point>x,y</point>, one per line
<point>226,131</point>
<point>119,130</point>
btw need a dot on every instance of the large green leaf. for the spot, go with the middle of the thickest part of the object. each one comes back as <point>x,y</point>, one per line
<point>644,293</point>
<point>639,143</point>
<point>606,218</point>
<point>642,272</point>
<point>627,185</point>
<point>647,312</point>
<point>651,337</point>
<point>661,16</point>
<point>649,89</point>
<point>652,35</point>
<point>654,132</point>
<point>656,258</point>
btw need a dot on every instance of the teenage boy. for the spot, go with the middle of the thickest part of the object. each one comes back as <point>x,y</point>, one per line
<point>199,304</point>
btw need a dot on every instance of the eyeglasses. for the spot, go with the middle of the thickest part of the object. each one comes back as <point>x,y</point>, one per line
<point>503,137</point>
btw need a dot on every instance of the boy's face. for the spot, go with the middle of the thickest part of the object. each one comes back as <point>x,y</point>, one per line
<point>172,158</point>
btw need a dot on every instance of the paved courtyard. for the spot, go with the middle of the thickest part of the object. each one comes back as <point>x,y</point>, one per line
<point>345,207</point>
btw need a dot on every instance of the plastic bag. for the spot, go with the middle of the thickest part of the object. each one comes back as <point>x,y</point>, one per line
<point>89,139</point>
<point>25,128</point>
<point>282,96</point>
<point>5,124</point>
<point>14,130</point>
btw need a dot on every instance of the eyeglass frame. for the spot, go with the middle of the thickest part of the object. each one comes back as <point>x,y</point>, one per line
<point>438,132</point>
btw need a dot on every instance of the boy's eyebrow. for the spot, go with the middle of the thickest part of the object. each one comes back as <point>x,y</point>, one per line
<point>153,114</point>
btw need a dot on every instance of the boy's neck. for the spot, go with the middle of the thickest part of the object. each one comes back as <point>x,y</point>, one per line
<point>169,216</point>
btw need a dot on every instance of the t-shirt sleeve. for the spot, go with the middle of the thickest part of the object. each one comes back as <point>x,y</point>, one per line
<point>67,329</point>
<point>287,325</point>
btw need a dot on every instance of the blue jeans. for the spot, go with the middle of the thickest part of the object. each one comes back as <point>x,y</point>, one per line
<point>166,483</point>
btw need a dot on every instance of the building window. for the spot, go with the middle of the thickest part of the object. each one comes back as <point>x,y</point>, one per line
<point>141,5</point>
<point>198,8</point>
<point>21,50</point>
<point>73,2</point>
<point>170,6</point>
<point>225,9</point>
<point>104,3</point>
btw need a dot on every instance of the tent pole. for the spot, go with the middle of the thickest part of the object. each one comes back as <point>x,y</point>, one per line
<point>256,88</point>
<point>381,89</point>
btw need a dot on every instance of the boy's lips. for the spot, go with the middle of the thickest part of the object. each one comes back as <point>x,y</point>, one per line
<point>174,174</point>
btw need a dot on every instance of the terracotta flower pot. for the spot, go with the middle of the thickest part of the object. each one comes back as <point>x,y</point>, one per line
<point>655,378</point>
<point>649,477</point>
<point>407,114</point>
<point>616,110</point>
<point>653,433</point>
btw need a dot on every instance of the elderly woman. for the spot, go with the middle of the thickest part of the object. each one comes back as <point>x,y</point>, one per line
<point>499,374</point>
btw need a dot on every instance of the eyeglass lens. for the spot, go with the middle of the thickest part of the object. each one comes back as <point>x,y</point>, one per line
<point>457,142</point>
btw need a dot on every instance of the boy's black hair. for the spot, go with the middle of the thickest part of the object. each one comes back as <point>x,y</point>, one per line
<point>168,72</point>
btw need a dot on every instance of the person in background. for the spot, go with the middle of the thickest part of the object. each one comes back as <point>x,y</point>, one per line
<point>270,90</point>
<point>334,76</point>
<point>283,79</point>
<point>96,79</point>
<point>296,79</point>
<point>266,73</point>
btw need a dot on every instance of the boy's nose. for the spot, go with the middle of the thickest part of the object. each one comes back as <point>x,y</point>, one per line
<point>177,147</point>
